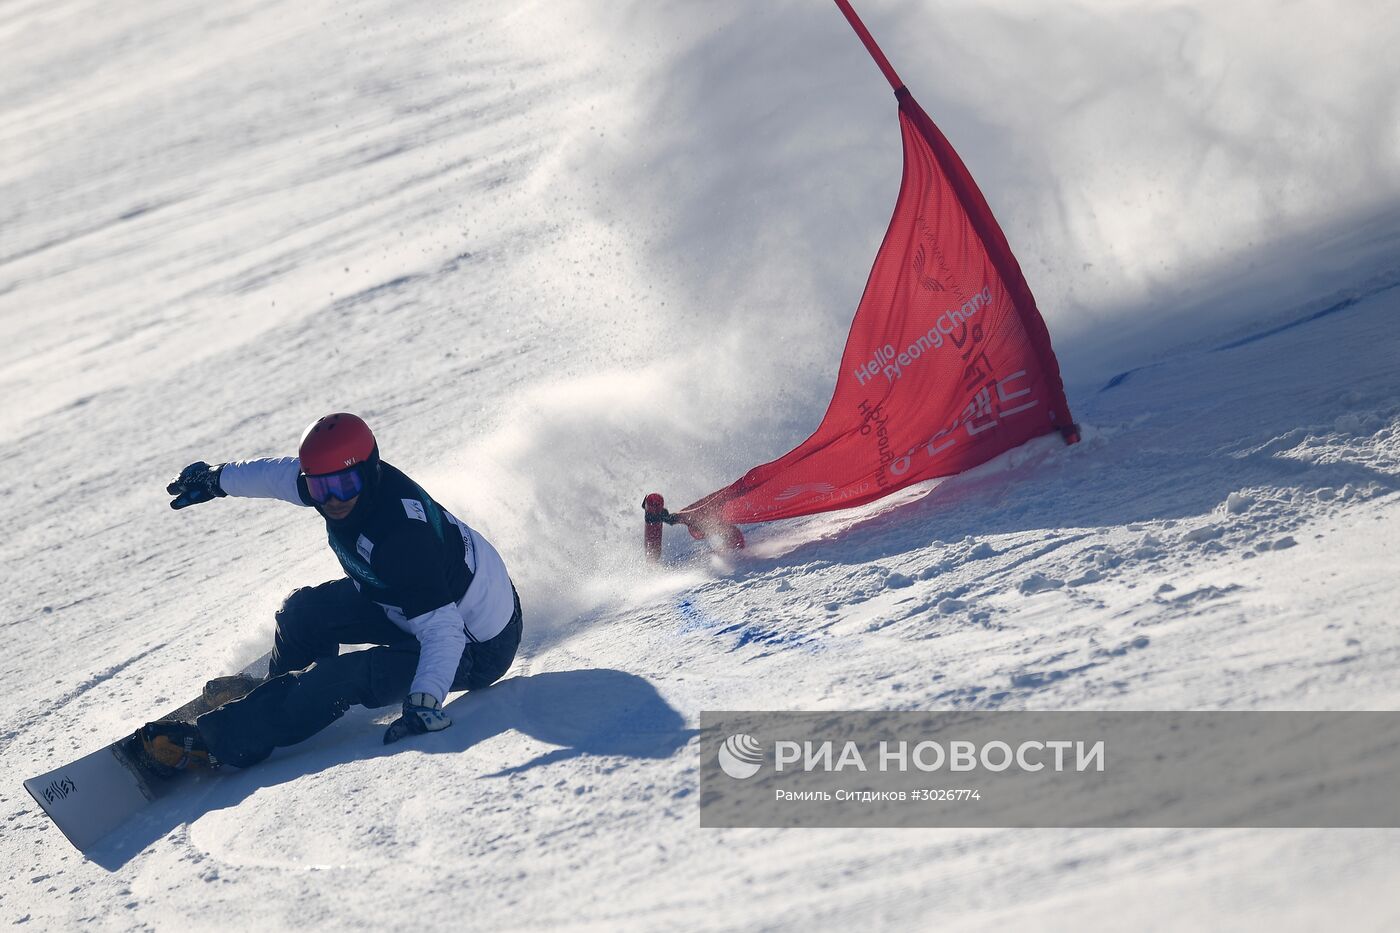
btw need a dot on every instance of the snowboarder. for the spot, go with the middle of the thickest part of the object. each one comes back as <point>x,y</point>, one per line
<point>430,592</point>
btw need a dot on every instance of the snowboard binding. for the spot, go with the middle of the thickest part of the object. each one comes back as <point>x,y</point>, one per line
<point>166,748</point>
<point>223,690</point>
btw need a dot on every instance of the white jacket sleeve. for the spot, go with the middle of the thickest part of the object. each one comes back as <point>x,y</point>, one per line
<point>443,639</point>
<point>263,479</point>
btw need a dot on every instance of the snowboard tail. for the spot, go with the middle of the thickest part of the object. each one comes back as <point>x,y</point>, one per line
<point>89,798</point>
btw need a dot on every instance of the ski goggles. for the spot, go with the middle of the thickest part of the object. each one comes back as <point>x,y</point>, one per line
<point>345,485</point>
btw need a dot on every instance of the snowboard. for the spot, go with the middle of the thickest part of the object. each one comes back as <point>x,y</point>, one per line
<point>90,797</point>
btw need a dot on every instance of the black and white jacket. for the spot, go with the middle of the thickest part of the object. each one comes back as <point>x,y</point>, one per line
<point>432,574</point>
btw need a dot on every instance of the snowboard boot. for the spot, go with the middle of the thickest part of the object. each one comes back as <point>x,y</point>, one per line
<point>223,690</point>
<point>167,747</point>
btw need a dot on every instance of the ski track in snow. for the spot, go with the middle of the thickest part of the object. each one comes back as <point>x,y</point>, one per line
<point>546,253</point>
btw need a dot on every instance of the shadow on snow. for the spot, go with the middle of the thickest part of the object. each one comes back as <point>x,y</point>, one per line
<point>597,711</point>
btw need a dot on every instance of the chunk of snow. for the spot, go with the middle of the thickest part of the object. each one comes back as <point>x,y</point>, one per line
<point>1237,503</point>
<point>1039,583</point>
<point>1204,533</point>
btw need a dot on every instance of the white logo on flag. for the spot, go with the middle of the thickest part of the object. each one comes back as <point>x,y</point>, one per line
<point>793,491</point>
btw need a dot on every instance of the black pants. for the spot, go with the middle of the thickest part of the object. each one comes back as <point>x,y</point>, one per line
<point>310,684</point>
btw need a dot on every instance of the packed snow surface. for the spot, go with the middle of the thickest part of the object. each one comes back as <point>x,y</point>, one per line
<point>563,253</point>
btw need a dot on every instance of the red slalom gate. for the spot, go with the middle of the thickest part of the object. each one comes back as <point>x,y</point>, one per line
<point>948,362</point>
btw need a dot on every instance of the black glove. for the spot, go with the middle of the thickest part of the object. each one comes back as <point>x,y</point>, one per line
<point>198,482</point>
<point>421,713</point>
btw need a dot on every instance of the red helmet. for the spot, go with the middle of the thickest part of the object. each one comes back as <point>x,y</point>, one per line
<point>335,443</point>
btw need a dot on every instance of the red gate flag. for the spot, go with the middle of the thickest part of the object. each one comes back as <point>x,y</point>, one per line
<point>948,363</point>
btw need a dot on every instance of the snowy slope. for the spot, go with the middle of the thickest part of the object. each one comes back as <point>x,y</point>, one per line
<point>566,254</point>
